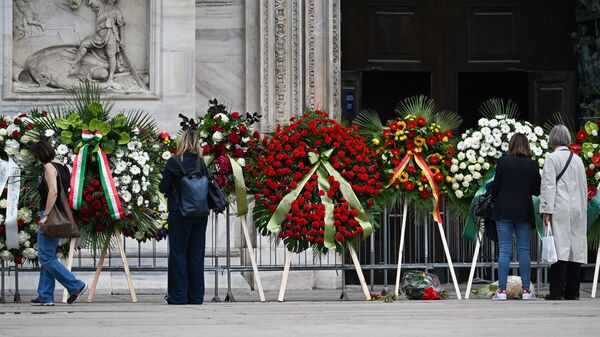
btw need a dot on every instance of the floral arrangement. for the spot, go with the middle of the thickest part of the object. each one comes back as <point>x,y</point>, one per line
<point>228,143</point>
<point>416,150</point>
<point>418,285</point>
<point>514,288</point>
<point>384,297</point>
<point>479,149</point>
<point>587,146</point>
<point>114,176</point>
<point>315,184</point>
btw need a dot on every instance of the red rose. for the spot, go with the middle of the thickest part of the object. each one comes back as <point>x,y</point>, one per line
<point>421,121</point>
<point>95,182</point>
<point>2,229</point>
<point>234,138</point>
<point>243,129</point>
<point>449,134</point>
<point>396,152</point>
<point>16,133</point>
<point>206,149</point>
<point>20,222</point>
<point>394,126</point>
<point>256,134</point>
<point>431,140</point>
<point>3,124</point>
<point>17,121</point>
<point>235,115</point>
<point>596,159</point>
<point>592,190</point>
<point>434,159</point>
<point>438,176</point>
<point>99,228</point>
<point>96,205</point>
<point>425,194</point>
<point>582,135</point>
<point>411,169</point>
<point>18,260</point>
<point>575,148</point>
<point>387,133</point>
<point>89,198</point>
<point>411,124</point>
<point>44,113</point>
<point>409,185</point>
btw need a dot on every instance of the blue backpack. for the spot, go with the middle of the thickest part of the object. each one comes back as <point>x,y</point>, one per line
<point>193,197</point>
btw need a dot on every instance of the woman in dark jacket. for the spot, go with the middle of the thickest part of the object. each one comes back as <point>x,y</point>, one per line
<point>187,236</point>
<point>517,179</point>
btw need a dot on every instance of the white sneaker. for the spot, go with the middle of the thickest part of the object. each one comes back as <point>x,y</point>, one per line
<point>500,295</point>
<point>528,296</point>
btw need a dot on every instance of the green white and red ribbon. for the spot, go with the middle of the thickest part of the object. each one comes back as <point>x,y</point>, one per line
<point>106,178</point>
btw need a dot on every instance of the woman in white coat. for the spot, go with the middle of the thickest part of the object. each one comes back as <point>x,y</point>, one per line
<point>563,204</point>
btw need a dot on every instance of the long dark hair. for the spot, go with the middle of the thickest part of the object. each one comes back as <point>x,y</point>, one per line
<point>519,146</point>
<point>42,151</point>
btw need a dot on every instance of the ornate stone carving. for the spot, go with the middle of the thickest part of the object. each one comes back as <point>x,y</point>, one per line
<point>334,46</point>
<point>310,54</point>
<point>50,55</point>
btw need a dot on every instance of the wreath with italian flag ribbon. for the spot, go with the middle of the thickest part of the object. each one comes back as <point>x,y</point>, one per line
<point>115,167</point>
<point>316,182</point>
<point>416,150</point>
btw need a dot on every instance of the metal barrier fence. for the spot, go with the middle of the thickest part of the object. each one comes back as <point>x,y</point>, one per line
<point>378,255</point>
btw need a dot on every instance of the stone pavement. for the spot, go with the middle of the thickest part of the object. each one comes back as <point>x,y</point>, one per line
<point>305,313</point>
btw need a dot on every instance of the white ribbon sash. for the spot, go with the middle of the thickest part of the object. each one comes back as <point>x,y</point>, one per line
<point>11,174</point>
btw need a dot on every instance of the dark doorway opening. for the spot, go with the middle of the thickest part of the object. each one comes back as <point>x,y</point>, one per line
<point>474,88</point>
<point>383,90</point>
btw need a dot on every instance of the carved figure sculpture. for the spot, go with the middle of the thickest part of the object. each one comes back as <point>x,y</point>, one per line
<point>25,17</point>
<point>108,36</point>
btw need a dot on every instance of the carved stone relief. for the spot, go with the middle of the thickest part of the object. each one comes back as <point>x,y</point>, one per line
<point>59,43</point>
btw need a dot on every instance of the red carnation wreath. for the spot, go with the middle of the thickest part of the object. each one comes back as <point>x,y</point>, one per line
<point>315,184</point>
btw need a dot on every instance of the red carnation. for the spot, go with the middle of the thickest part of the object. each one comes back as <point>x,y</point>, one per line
<point>235,115</point>
<point>589,172</point>
<point>421,121</point>
<point>387,133</point>
<point>425,194</point>
<point>411,169</point>
<point>582,135</point>
<point>409,185</point>
<point>394,126</point>
<point>206,149</point>
<point>411,124</point>
<point>95,182</point>
<point>16,133</point>
<point>596,159</point>
<point>434,159</point>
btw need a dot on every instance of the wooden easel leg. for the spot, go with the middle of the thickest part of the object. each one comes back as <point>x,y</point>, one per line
<point>126,268</point>
<point>401,248</point>
<point>449,258</point>
<point>473,264</point>
<point>69,266</point>
<point>286,272</point>
<point>98,271</point>
<point>359,271</point>
<point>596,271</point>
<point>261,293</point>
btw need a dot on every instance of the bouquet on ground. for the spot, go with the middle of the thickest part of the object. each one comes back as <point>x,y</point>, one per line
<point>228,144</point>
<point>514,288</point>
<point>316,183</point>
<point>114,171</point>
<point>587,146</point>
<point>418,285</point>
<point>415,150</point>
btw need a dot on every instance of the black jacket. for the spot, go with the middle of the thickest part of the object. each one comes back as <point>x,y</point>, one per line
<point>171,177</point>
<point>517,179</point>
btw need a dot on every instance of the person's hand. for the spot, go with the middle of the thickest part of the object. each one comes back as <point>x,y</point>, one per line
<point>42,220</point>
<point>547,218</point>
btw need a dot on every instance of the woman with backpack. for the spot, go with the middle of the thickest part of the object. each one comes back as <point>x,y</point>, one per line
<point>517,179</point>
<point>563,202</point>
<point>187,234</point>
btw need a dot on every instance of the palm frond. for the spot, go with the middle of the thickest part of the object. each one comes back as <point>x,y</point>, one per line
<point>369,124</point>
<point>143,121</point>
<point>86,94</point>
<point>417,106</point>
<point>496,106</point>
<point>558,119</point>
<point>448,119</point>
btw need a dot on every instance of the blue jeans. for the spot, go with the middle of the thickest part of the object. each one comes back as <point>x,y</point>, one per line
<point>52,270</point>
<point>505,230</point>
<point>187,240</point>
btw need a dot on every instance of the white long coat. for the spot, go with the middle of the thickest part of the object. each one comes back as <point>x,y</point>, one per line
<point>567,202</point>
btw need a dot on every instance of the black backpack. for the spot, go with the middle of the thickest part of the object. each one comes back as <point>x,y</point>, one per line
<point>193,197</point>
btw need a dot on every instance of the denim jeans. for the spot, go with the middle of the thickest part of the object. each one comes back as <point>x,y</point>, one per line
<point>505,230</point>
<point>52,270</point>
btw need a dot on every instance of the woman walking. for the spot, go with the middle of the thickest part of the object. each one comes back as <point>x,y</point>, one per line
<point>563,202</point>
<point>187,235</point>
<point>517,179</point>
<point>51,269</point>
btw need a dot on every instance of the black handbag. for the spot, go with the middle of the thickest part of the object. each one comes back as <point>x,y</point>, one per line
<point>484,208</point>
<point>216,199</point>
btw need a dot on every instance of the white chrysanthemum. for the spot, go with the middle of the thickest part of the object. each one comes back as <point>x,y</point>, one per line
<point>6,255</point>
<point>217,137</point>
<point>146,170</point>
<point>140,201</point>
<point>27,243</point>
<point>126,196</point>
<point>23,236</point>
<point>166,155</point>
<point>136,188</point>
<point>483,122</point>
<point>3,132</point>
<point>486,131</point>
<point>126,179</point>
<point>135,170</point>
<point>62,149</point>
<point>49,133</point>
<point>493,123</point>
<point>30,253</point>
<point>538,131</point>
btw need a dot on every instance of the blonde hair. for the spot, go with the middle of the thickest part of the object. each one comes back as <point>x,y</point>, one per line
<point>189,143</point>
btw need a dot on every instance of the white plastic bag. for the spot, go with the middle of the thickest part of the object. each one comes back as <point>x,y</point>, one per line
<point>548,248</point>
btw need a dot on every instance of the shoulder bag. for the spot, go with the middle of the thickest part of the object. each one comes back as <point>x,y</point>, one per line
<point>60,222</point>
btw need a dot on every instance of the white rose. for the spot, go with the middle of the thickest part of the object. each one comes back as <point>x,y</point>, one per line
<point>241,162</point>
<point>3,132</point>
<point>140,201</point>
<point>468,178</point>
<point>480,160</point>
<point>473,160</point>
<point>223,117</point>
<point>166,155</point>
<point>25,139</point>
<point>245,140</point>
<point>139,235</point>
<point>462,166</point>
<point>465,184</point>
<point>23,236</point>
<point>455,186</point>
<point>477,167</point>
<point>459,177</point>
<point>459,194</point>
<point>3,203</point>
<point>597,176</point>
<point>49,133</point>
<point>486,166</point>
<point>217,136</point>
<point>27,243</point>
<point>30,253</point>
<point>461,156</point>
<point>203,134</point>
<point>454,169</point>
<point>541,162</point>
<point>476,175</point>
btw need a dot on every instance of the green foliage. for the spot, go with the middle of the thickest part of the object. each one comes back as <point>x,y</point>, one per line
<point>496,106</point>
<point>369,124</point>
<point>417,106</point>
